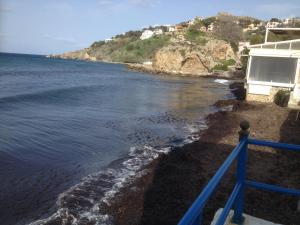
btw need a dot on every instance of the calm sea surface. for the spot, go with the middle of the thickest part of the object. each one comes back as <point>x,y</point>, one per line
<point>64,121</point>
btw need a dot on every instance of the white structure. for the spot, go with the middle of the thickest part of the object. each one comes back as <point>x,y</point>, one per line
<point>249,220</point>
<point>287,21</point>
<point>273,66</point>
<point>158,31</point>
<point>108,40</point>
<point>147,34</point>
<point>210,27</point>
<point>171,29</point>
<point>273,24</point>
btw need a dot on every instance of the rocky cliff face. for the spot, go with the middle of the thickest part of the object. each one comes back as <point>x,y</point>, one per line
<point>189,59</point>
<point>179,56</point>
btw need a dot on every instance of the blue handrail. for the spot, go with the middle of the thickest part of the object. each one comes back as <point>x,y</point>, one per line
<point>236,200</point>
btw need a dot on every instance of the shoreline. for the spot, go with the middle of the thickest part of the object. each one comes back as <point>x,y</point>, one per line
<point>228,75</point>
<point>173,181</point>
<point>137,67</point>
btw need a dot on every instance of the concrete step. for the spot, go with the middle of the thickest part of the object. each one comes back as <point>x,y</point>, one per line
<point>249,220</point>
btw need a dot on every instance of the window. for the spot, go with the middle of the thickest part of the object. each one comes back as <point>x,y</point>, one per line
<point>273,69</point>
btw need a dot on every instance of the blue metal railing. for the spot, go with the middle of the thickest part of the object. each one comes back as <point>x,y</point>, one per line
<point>236,200</point>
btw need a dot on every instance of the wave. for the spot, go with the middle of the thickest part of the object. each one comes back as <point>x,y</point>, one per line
<point>85,203</point>
<point>54,94</point>
<point>221,81</point>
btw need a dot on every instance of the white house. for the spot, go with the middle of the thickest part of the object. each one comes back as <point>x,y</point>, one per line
<point>108,40</point>
<point>158,31</point>
<point>171,29</point>
<point>147,34</point>
<point>287,21</point>
<point>273,24</point>
<point>273,66</point>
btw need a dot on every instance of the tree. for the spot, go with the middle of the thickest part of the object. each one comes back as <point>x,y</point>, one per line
<point>256,39</point>
<point>207,21</point>
<point>227,29</point>
<point>275,20</point>
<point>244,23</point>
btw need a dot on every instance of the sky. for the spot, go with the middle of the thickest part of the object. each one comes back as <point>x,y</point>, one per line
<point>56,26</point>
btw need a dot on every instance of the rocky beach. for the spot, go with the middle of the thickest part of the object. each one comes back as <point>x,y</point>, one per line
<point>173,181</point>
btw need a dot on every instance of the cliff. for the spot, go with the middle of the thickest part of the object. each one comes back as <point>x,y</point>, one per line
<point>193,59</point>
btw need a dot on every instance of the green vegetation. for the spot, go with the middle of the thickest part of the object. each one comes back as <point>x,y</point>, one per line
<point>282,97</point>
<point>275,20</point>
<point>256,39</point>
<point>140,50</point>
<point>227,29</point>
<point>207,21</point>
<point>224,65</point>
<point>234,46</point>
<point>97,44</point>
<point>244,59</point>
<point>195,36</point>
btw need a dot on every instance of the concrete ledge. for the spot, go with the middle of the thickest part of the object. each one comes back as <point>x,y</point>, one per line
<point>249,220</point>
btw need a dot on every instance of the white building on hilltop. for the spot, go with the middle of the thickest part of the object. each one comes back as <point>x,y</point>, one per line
<point>108,40</point>
<point>158,31</point>
<point>273,24</point>
<point>147,34</point>
<point>273,66</point>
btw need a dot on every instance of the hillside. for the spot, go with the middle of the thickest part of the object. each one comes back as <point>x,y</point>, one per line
<point>197,47</point>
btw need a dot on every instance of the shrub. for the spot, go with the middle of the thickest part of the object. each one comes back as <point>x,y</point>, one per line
<point>282,97</point>
<point>244,59</point>
<point>234,46</point>
<point>140,50</point>
<point>195,36</point>
<point>230,62</point>
<point>256,39</point>
<point>97,44</point>
<point>224,65</point>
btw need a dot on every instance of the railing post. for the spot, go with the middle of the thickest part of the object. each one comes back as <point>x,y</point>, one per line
<point>241,174</point>
<point>198,221</point>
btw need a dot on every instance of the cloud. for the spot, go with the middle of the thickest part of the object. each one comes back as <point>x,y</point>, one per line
<point>62,39</point>
<point>278,9</point>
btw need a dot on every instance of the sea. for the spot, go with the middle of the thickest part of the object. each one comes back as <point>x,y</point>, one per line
<point>72,133</point>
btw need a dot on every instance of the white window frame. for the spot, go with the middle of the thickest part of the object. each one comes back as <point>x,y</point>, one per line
<point>274,84</point>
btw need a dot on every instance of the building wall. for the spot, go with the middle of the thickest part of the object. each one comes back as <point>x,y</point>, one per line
<point>264,98</point>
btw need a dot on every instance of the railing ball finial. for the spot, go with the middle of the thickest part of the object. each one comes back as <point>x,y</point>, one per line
<point>244,125</point>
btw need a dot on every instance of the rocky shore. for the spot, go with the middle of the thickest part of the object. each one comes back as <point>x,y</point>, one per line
<point>172,182</point>
<point>230,75</point>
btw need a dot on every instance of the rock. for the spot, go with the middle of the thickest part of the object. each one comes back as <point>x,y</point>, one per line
<point>189,59</point>
<point>78,55</point>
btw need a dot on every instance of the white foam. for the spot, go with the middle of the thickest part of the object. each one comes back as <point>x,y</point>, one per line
<point>118,178</point>
<point>113,179</point>
<point>221,81</point>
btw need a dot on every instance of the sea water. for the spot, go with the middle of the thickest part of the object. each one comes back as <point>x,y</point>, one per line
<point>73,132</point>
